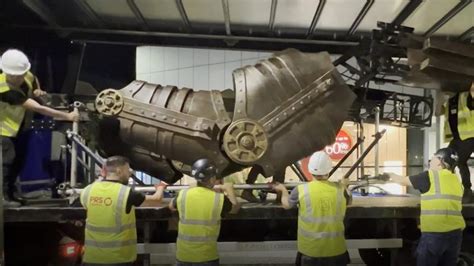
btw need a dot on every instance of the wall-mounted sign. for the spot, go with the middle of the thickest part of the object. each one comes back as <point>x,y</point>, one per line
<point>340,147</point>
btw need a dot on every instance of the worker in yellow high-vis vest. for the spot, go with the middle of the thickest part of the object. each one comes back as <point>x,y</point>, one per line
<point>441,220</point>
<point>110,233</point>
<point>17,87</point>
<point>200,210</point>
<point>321,211</point>
<point>458,113</point>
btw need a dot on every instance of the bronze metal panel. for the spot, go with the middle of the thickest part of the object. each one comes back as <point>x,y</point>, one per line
<point>164,96</point>
<point>177,102</point>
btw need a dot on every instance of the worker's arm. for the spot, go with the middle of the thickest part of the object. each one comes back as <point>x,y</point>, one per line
<point>285,196</point>
<point>37,89</point>
<point>440,103</point>
<point>34,106</point>
<point>228,189</point>
<point>391,177</point>
<point>157,197</point>
<point>347,193</point>
<point>171,205</point>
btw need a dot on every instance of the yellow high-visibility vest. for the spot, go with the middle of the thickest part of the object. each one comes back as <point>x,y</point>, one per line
<point>465,119</point>
<point>11,116</point>
<point>441,205</point>
<point>322,208</point>
<point>110,235</point>
<point>199,224</point>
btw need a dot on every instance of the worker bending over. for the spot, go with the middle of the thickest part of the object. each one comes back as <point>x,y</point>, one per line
<point>321,210</point>
<point>200,210</point>
<point>459,131</point>
<point>111,235</point>
<point>17,88</point>
<point>441,221</point>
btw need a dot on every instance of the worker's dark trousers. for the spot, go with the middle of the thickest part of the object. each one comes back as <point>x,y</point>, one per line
<point>439,249</point>
<point>340,260</point>
<point>464,148</point>
<point>13,159</point>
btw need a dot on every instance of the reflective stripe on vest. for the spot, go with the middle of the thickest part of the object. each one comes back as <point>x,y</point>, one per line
<point>441,204</point>
<point>320,226</point>
<point>110,244</point>
<point>199,224</point>
<point>108,226</point>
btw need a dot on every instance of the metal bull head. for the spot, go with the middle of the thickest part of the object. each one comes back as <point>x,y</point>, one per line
<point>283,109</point>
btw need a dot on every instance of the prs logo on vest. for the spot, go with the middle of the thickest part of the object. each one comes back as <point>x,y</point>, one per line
<point>100,201</point>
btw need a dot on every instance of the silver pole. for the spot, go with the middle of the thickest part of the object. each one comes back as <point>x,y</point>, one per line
<point>235,186</point>
<point>75,130</point>
<point>377,124</point>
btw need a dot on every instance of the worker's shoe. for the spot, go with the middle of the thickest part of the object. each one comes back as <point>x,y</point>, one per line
<point>10,204</point>
<point>467,196</point>
<point>249,196</point>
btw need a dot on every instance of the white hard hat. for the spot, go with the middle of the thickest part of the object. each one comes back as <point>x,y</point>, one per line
<point>14,62</point>
<point>319,163</point>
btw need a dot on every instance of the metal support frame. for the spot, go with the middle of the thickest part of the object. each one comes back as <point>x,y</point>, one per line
<point>377,136</point>
<point>184,16</point>
<point>138,15</point>
<point>467,34</point>
<point>90,13</point>
<point>355,147</point>
<point>42,11</point>
<point>271,21</point>
<point>298,172</point>
<point>2,218</point>
<point>75,130</point>
<point>314,22</point>
<point>225,9</point>
<point>363,12</point>
<point>407,11</point>
<point>453,12</point>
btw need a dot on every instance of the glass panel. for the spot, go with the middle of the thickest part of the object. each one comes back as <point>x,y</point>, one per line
<point>460,23</point>
<point>204,11</point>
<point>339,14</point>
<point>382,10</point>
<point>250,12</point>
<point>158,10</point>
<point>428,13</point>
<point>295,13</point>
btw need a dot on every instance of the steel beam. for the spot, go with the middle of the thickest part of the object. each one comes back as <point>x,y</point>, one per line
<point>469,34</point>
<point>225,7</point>
<point>41,10</point>
<point>363,12</point>
<point>138,15</point>
<point>406,12</point>
<point>314,22</point>
<point>453,12</point>
<point>271,22</point>
<point>94,18</point>
<point>184,16</point>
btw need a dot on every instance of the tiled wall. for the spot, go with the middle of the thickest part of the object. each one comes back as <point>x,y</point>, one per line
<point>200,69</point>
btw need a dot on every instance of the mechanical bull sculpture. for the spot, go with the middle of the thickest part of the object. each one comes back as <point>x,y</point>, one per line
<point>281,109</point>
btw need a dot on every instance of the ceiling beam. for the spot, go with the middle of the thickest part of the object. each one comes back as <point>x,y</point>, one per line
<point>453,12</point>
<point>363,12</point>
<point>138,15</point>
<point>94,18</point>
<point>271,21</point>
<point>225,8</point>
<point>314,22</point>
<point>42,11</point>
<point>407,11</point>
<point>468,34</point>
<point>184,16</point>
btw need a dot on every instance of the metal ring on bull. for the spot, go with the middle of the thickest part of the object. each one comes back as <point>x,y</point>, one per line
<point>245,141</point>
<point>109,102</point>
